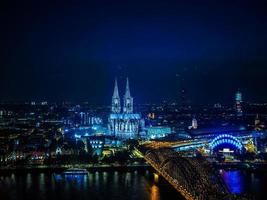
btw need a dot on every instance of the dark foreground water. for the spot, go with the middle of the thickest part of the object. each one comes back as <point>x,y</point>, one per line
<point>96,186</point>
<point>112,185</point>
<point>241,181</point>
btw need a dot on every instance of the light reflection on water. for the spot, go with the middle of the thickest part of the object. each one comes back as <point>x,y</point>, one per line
<point>28,181</point>
<point>95,185</point>
<point>155,195</point>
<point>252,183</point>
<point>234,180</point>
<point>105,176</point>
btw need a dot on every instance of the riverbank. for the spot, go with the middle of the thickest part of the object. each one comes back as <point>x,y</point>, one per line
<point>117,167</point>
<point>61,168</point>
<point>241,166</point>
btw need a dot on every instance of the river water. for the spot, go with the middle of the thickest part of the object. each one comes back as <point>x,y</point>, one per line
<point>112,186</point>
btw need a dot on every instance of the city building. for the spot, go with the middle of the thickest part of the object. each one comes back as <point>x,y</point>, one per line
<point>87,119</point>
<point>97,143</point>
<point>123,122</point>
<point>238,104</point>
<point>194,124</point>
<point>158,132</point>
<point>258,124</point>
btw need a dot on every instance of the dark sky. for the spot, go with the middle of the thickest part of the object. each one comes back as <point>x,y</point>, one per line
<point>61,51</point>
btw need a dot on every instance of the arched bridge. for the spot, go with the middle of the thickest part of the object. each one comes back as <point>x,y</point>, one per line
<point>194,178</point>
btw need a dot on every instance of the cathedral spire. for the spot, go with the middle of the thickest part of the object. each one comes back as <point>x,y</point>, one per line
<point>127,90</point>
<point>127,99</point>
<point>116,105</point>
<point>116,90</point>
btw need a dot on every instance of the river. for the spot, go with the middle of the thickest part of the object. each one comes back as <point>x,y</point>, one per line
<point>112,185</point>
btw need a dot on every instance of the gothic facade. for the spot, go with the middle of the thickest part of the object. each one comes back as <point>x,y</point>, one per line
<point>123,122</point>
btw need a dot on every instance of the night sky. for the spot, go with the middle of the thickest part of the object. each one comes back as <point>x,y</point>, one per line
<point>73,52</point>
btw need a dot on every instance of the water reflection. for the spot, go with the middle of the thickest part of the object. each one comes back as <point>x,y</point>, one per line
<point>28,181</point>
<point>95,185</point>
<point>127,179</point>
<point>96,180</point>
<point>90,179</point>
<point>105,176</point>
<point>85,181</point>
<point>116,177</point>
<point>42,186</point>
<point>76,181</point>
<point>234,180</point>
<point>154,195</point>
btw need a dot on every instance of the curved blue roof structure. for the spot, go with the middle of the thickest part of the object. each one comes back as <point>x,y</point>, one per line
<point>226,139</point>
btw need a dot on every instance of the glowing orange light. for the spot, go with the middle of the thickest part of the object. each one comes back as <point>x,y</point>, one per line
<point>154,195</point>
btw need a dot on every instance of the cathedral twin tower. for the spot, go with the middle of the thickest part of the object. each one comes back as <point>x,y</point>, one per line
<point>123,122</point>
<point>127,100</point>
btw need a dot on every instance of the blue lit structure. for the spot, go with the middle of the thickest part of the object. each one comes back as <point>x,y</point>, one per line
<point>116,101</point>
<point>87,119</point>
<point>125,124</point>
<point>226,140</point>
<point>158,132</point>
<point>86,131</point>
<point>123,116</point>
<point>238,96</point>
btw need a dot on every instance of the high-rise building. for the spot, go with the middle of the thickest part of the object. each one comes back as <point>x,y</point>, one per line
<point>238,103</point>
<point>83,117</point>
<point>194,123</point>
<point>258,124</point>
<point>125,124</point>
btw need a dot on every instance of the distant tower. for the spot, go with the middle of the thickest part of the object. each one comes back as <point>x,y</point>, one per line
<point>238,104</point>
<point>116,104</point>
<point>183,97</point>
<point>194,123</point>
<point>127,100</point>
<point>257,122</point>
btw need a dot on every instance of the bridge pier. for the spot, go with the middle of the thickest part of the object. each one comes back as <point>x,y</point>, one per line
<point>156,177</point>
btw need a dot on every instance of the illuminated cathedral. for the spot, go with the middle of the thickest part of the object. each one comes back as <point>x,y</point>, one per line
<point>123,122</point>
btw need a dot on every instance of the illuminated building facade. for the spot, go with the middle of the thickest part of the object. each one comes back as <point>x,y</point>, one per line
<point>97,143</point>
<point>194,124</point>
<point>123,122</point>
<point>158,132</point>
<point>258,125</point>
<point>87,119</point>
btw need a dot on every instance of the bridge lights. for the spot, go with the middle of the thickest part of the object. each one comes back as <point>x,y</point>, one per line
<point>156,177</point>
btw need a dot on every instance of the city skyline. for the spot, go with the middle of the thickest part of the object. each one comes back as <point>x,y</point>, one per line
<point>119,90</point>
<point>119,100</point>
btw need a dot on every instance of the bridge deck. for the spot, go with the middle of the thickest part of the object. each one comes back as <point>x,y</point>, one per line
<point>191,177</point>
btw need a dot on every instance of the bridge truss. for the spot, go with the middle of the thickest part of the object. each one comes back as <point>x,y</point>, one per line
<point>194,178</point>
